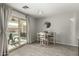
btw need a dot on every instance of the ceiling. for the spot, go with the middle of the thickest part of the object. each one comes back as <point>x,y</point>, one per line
<point>45,9</point>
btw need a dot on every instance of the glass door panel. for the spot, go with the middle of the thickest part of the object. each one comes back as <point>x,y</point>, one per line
<point>13,35</point>
<point>22,31</point>
<point>16,33</point>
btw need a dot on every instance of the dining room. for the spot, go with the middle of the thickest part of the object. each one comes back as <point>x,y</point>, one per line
<point>39,29</point>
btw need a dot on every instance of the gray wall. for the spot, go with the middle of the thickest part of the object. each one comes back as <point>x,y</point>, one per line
<point>63,26</point>
<point>77,27</point>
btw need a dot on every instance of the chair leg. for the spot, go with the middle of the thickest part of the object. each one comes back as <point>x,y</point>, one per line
<point>47,43</point>
<point>40,43</point>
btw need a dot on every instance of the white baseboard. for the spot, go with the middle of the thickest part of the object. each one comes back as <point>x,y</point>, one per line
<point>67,44</point>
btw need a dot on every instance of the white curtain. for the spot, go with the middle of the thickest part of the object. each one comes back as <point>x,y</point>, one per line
<point>28,29</point>
<point>4,16</point>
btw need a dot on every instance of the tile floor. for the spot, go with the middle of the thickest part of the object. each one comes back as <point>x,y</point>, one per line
<point>51,50</point>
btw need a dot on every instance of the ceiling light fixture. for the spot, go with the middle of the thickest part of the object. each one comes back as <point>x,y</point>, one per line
<point>25,7</point>
<point>40,12</point>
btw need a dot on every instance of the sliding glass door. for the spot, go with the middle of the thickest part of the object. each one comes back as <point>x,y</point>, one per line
<point>22,31</point>
<point>17,32</point>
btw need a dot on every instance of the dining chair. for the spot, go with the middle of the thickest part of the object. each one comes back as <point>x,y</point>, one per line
<point>43,38</point>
